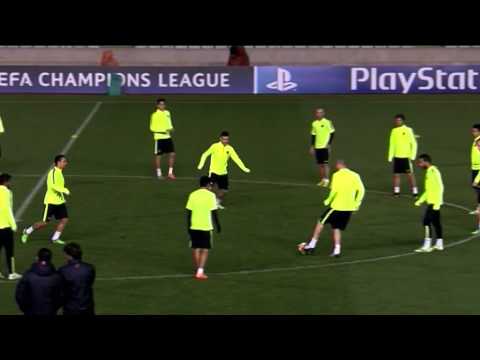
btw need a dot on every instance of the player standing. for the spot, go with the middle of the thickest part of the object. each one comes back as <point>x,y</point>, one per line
<point>402,149</point>
<point>201,208</point>
<point>7,226</point>
<point>433,196</point>
<point>346,195</point>
<point>55,204</point>
<point>475,163</point>
<point>161,128</point>
<point>220,153</point>
<point>322,137</point>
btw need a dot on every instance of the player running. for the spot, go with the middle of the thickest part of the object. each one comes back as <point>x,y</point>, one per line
<point>55,204</point>
<point>322,137</point>
<point>402,149</point>
<point>346,195</point>
<point>433,196</point>
<point>161,128</point>
<point>220,153</point>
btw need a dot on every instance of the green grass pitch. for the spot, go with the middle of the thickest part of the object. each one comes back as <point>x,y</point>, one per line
<point>132,226</point>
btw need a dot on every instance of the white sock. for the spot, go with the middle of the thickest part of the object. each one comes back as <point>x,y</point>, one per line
<point>427,243</point>
<point>29,230</point>
<point>170,171</point>
<point>219,201</point>
<point>159,172</point>
<point>336,250</point>
<point>396,189</point>
<point>439,242</point>
<point>56,235</point>
<point>200,271</point>
<point>311,245</point>
<point>415,190</point>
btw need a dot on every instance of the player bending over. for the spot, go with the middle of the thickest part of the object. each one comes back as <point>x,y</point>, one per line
<point>346,195</point>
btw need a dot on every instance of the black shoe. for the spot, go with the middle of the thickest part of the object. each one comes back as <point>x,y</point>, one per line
<point>415,196</point>
<point>307,251</point>
<point>334,256</point>
<point>396,194</point>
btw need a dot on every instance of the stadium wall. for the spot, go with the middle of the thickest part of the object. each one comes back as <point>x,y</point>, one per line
<point>258,56</point>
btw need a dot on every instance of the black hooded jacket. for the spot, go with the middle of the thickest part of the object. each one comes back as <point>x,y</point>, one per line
<point>39,292</point>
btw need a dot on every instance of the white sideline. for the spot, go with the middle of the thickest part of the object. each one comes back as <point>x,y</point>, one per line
<point>267,270</point>
<point>65,150</point>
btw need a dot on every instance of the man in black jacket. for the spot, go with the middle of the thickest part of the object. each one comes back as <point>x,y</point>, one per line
<point>78,278</point>
<point>39,292</point>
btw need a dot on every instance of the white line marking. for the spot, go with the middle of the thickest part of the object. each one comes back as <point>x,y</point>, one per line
<point>65,150</point>
<point>267,270</point>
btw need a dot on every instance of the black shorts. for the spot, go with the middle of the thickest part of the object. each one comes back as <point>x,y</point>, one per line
<point>477,189</point>
<point>59,211</point>
<point>164,146</point>
<point>322,155</point>
<point>431,216</point>
<point>336,219</point>
<point>200,239</point>
<point>220,180</point>
<point>402,166</point>
<point>6,237</point>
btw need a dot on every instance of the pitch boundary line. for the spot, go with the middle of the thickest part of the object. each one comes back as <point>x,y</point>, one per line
<point>266,270</point>
<point>23,207</point>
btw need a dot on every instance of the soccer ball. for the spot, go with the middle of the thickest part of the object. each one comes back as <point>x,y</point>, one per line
<point>301,246</point>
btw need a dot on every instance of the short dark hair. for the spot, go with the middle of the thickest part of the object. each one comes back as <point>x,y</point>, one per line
<point>426,157</point>
<point>44,254</point>
<point>58,158</point>
<point>74,250</point>
<point>4,178</point>
<point>159,100</point>
<point>401,116</point>
<point>476,126</point>
<point>224,133</point>
<point>204,181</point>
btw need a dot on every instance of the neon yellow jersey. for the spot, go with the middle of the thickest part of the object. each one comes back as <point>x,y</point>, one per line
<point>161,124</point>
<point>201,202</point>
<point>220,154</point>
<point>55,188</point>
<point>433,193</point>
<point>346,191</point>
<point>475,154</point>
<point>7,220</point>
<point>322,129</point>
<point>402,143</point>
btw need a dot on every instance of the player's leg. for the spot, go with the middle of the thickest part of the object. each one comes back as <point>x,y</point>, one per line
<point>317,230</point>
<point>437,225</point>
<point>9,252</point>
<point>2,244</point>
<point>204,244</point>
<point>337,242</point>
<point>171,158</point>
<point>220,188</point>
<point>411,179</point>
<point>396,184</point>
<point>61,214</point>
<point>171,162</point>
<point>196,258</point>
<point>427,225</point>
<point>156,159</point>
<point>47,213</point>
<point>59,230</point>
